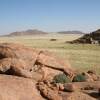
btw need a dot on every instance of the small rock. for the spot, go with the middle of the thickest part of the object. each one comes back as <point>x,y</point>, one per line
<point>70,87</point>
<point>60,86</point>
<point>93,75</point>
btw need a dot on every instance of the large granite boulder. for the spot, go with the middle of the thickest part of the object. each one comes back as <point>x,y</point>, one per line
<point>16,59</point>
<point>18,88</point>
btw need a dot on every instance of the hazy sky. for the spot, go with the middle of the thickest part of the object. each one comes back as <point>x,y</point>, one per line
<point>49,15</point>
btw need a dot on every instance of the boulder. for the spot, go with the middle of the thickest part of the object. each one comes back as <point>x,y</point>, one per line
<point>17,88</point>
<point>69,87</point>
<point>16,59</point>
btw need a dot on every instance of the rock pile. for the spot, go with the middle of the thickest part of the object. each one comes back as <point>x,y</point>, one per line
<point>28,74</point>
<point>31,63</point>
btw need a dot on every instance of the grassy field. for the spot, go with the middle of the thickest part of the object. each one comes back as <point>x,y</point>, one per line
<point>81,57</point>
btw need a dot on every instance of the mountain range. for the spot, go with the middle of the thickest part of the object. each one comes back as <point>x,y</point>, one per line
<point>38,32</point>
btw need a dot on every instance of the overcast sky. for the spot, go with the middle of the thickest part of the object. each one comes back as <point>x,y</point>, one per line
<point>49,15</point>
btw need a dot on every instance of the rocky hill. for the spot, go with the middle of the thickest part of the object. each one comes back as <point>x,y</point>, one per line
<point>27,32</point>
<point>93,37</point>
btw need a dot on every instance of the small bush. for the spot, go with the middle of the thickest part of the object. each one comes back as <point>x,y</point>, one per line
<point>61,78</point>
<point>79,78</point>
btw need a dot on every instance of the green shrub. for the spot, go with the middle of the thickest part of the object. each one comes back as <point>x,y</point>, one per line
<point>79,78</point>
<point>61,78</point>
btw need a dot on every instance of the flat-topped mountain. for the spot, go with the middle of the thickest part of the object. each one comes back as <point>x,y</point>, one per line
<point>27,32</point>
<point>70,32</point>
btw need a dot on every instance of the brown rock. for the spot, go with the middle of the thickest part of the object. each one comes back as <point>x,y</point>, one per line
<point>78,96</point>
<point>70,87</point>
<point>31,63</point>
<point>85,85</point>
<point>48,92</point>
<point>60,86</point>
<point>93,75</point>
<point>17,88</point>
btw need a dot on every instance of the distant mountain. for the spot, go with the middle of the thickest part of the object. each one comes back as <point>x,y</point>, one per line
<point>27,32</point>
<point>70,32</point>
